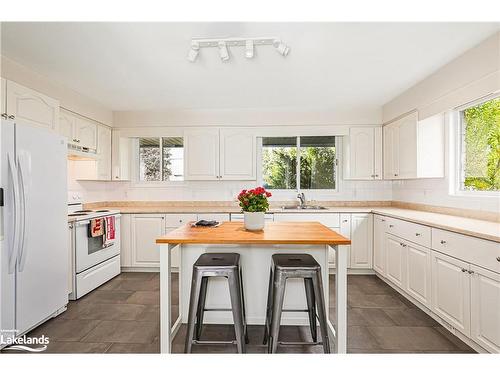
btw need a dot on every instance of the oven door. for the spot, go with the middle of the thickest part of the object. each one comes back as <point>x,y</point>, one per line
<point>91,251</point>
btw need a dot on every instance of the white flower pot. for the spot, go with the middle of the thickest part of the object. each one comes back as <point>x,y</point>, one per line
<point>254,220</point>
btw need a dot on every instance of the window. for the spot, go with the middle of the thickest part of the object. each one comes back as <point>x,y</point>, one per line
<point>480,147</point>
<point>306,162</point>
<point>165,163</point>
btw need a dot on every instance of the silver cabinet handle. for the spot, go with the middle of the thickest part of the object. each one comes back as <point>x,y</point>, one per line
<point>498,259</point>
<point>376,175</point>
<point>12,117</point>
<point>391,226</point>
<point>464,270</point>
<point>382,220</point>
<point>442,242</point>
<point>470,272</point>
<point>4,115</point>
<point>417,234</point>
<point>344,221</point>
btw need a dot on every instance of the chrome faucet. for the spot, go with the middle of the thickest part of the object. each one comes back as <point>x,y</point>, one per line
<point>302,199</point>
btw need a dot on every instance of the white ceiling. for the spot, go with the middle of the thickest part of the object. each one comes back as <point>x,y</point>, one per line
<point>332,66</point>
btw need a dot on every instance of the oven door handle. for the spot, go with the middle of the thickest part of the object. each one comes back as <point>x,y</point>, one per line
<point>82,223</point>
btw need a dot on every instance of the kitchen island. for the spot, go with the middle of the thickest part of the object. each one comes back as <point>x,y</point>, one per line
<point>255,249</point>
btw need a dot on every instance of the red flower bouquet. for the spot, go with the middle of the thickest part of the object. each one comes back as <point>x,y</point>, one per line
<point>254,200</point>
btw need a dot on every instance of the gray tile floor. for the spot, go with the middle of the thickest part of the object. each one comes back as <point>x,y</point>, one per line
<point>122,316</point>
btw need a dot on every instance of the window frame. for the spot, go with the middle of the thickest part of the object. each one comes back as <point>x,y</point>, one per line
<point>457,142</point>
<point>135,168</point>
<point>338,155</point>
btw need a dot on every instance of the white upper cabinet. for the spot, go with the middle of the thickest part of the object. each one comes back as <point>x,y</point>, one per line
<point>103,153</point>
<point>67,124</point>
<point>363,154</point>
<point>30,106</point>
<point>413,148</point>
<point>219,154</point>
<point>121,154</point>
<point>237,154</point>
<point>86,133</point>
<point>201,154</point>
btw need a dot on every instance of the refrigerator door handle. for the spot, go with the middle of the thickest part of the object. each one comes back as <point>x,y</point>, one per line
<point>22,160</point>
<point>15,232</point>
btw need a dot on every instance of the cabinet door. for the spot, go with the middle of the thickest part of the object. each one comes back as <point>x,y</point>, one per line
<point>360,161</point>
<point>391,150</point>
<point>121,153</point>
<point>174,221</point>
<point>418,273</point>
<point>32,107</point>
<point>237,154</point>
<point>67,123</point>
<point>3,96</point>
<point>395,260</point>
<point>485,308</point>
<point>145,230</point>
<point>451,291</point>
<point>201,154</point>
<point>86,133</point>
<point>103,153</point>
<point>379,223</point>
<point>345,230</point>
<point>407,146</point>
<point>377,153</point>
<point>362,241</point>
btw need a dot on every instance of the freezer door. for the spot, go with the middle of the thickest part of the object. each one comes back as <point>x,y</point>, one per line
<point>7,222</point>
<point>42,270</point>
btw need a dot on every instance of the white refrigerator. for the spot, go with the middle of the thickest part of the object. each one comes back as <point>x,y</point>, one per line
<point>33,232</point>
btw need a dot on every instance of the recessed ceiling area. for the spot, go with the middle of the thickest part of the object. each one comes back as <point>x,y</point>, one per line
<point>332,66</point>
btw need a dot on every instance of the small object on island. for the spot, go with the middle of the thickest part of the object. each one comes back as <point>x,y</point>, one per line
<point>205,223</point>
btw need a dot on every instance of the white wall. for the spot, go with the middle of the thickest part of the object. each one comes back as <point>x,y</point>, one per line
<point>68,99</point>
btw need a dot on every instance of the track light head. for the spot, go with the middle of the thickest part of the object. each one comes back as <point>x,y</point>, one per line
<point>224,53</point>
<point>249,49</point>
<point>193,52</point>
<point>281,47</point>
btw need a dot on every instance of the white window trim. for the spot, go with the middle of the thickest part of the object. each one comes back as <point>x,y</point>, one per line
<point>338,154</point>
<point>136,182</point>
<point>456,144</point>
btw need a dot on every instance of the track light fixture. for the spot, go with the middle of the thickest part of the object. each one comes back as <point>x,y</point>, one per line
<point>223,45</point>
<point>224,54</point>
<point>194,51</point>
<point>249,49</point>
<point>281,47</point>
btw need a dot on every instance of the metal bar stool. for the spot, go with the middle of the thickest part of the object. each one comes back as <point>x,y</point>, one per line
<point>216,265</point>
<point>289,266</point>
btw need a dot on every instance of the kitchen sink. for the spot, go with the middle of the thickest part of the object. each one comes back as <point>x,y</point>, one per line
<point>305,207</point>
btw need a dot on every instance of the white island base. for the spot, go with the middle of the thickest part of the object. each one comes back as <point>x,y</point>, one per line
<point>255,263</point>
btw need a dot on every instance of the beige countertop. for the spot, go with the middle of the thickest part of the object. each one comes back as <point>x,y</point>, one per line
<point>488,230</point>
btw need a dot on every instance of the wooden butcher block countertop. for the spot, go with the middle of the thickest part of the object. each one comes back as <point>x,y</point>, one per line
<point>297,233</point>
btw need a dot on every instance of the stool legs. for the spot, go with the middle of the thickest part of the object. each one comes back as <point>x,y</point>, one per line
<point>193,305</point>
<point>311,307</point>
<point>267,323</point>
<point>318,291</point>
<point>243,307</point>
<point>236,307</point>
<point>279,284</point>
<point>201,306</point>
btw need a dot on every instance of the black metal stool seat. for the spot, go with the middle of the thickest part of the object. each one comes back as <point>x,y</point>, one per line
<point>216,265</point>
<point>290,266</point>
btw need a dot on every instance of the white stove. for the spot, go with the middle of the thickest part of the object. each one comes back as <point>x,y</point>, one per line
<point>96,259</point>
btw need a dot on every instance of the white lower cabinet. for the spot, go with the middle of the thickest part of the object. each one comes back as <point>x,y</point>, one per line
<point>395,260</point>
<point>362,241</point>
<point>418,273</point>
<point>451,291</point>
<point>379,225</point>
<point>146,228</point>
<point>485,308</point>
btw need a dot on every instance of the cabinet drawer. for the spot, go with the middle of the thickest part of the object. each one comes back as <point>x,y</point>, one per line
<point>176,220</point>
<point>419,234</point>
<point>473,250</point>
<point>330,220</point>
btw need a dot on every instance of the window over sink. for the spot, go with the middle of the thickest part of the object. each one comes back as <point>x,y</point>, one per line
<point>306,162</point>
<point>160,159</point>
